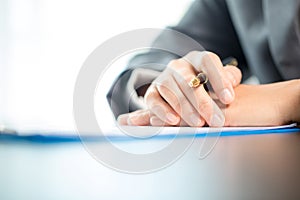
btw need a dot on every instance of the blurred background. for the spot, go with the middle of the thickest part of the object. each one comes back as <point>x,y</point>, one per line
<point>43,44</point>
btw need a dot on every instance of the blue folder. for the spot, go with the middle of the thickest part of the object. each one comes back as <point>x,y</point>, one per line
<point>55,137</point>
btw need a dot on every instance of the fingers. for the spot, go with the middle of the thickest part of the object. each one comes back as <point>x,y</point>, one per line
<point>155,121</point>
<point>122,119</point>
<point>171,93</point>
<point>234,74</point>
<point>211,64</point>
<point>137,118</point>
<point>198,97</point>
<point>160,107</point>
<point>144,118</point>
<point>168,89</point>
<point>174,103</point>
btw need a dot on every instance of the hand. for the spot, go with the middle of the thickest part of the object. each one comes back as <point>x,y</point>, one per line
<point>261,105</point>
<point>265,105</point>
<point>172,100</point>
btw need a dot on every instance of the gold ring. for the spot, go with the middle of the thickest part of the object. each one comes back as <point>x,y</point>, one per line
<point>198,80</point>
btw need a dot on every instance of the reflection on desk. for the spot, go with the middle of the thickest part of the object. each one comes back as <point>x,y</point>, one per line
<point>239,167</point>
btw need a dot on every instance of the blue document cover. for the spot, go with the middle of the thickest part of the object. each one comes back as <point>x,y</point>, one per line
<point>165,133</point>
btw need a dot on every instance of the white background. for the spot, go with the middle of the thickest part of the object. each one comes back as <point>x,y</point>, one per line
<point>44,43</point>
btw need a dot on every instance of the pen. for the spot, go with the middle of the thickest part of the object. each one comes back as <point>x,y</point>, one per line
<point>230,61</point>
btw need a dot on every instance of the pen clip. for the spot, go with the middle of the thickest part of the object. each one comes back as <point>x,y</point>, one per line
<point>230,61</point>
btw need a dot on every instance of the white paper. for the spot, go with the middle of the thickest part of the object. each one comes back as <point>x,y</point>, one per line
<point>148,131</point>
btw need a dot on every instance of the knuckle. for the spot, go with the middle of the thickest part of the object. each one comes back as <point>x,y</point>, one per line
<point>212,55</point>
<point>173,64</point>
<point>209,57</point>
<point>177,64</point>
<point>235,71</point>
<point>194,53</point>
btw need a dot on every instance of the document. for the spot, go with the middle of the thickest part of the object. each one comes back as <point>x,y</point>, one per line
<point>147,131</point>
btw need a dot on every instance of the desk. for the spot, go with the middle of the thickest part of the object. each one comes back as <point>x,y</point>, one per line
<point>239,167</point>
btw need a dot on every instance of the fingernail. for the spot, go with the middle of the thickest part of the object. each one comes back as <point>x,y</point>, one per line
<point>217,121</point>
<point>226,96</point>
<point>172,118</point>
<point>195,119</point>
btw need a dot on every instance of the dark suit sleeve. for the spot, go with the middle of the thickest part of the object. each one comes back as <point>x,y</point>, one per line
<point>208,22</point>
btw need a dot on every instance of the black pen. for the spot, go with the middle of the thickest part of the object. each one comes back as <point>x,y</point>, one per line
<point>230,61</point>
